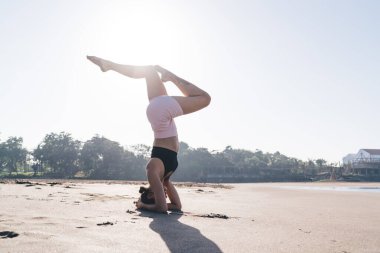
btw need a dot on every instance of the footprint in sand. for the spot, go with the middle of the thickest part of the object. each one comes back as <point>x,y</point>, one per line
<point>103,198</point>
<point>39,218</point>
<point>306,232</point>
<point>129,221</point>
<point>203,191</point>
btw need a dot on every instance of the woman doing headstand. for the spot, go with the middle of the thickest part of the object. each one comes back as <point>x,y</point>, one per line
<point>161,111</point>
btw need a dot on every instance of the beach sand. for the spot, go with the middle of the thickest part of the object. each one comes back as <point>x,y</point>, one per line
<point>100,216</point>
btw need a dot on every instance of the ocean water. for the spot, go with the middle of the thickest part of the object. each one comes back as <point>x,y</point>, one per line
<point>334,188</point>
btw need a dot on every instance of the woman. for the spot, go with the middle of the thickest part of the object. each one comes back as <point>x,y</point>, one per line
<point>161,111</point>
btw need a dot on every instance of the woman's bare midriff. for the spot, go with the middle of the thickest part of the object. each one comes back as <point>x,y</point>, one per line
<point>169,143</point>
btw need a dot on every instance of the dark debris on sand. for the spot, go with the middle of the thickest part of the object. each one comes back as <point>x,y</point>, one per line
<point>27,183</point>
<point>306,232</point>
<point>105,223</point>
<point>53,183</point>
<point>23,182</point>
<point>7,234</point>
<point>214,215</point>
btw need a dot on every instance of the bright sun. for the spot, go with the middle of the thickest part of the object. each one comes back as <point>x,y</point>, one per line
<point>142,33</point>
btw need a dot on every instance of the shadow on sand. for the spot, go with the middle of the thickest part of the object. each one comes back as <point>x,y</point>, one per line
<point>180,237</point>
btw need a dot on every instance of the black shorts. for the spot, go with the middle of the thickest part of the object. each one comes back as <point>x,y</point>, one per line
<point>168,158</point>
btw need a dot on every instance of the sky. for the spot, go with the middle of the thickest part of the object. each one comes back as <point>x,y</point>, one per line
<point>298,77</point>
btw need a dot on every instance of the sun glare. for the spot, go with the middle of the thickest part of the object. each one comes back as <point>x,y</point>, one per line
<point>140,34</point>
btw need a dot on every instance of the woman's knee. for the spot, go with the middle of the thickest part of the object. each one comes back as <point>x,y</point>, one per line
<point>150,71</point>
<point>154,169</point>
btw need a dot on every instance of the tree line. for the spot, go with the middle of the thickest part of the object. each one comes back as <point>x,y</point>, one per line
<point>59,155</point>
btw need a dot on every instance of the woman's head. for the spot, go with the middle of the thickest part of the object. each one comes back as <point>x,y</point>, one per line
<point>147,195</point>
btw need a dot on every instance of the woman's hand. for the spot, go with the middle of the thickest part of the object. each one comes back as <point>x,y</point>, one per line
<point>139,204</point>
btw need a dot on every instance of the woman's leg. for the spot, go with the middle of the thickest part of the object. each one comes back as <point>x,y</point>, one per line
<point>155,172</point>
<point>175,201</point>
<point>155,87</point>
<point>194,99</point>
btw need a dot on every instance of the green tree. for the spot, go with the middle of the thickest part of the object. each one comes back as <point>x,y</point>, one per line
<point>194,164</point>
<point>183,147</point>
<point>106,159</point>
<point>60,153</point>
<point>137,162</point>
<point>3,160</point>
<point>12,154</point>
<point>310,168</point>
<point>321,163</point>
<point>141,150</point>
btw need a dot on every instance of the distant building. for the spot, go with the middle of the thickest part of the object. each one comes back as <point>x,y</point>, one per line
<point>348,158</point>
<point>365,162</point>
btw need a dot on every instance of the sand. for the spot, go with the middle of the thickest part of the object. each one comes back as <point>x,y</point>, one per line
<point>101,217</point>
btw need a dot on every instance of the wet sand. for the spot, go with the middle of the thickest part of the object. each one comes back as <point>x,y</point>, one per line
<point>88,216</point>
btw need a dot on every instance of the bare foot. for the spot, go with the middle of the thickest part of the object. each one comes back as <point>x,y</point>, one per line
<point>103,64</point>
<point>166,75</point>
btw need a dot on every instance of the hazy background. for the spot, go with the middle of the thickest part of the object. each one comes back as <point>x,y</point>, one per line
<point>299,77</point>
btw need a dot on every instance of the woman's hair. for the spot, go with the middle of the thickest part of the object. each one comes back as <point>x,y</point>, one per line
<point>146,195</point>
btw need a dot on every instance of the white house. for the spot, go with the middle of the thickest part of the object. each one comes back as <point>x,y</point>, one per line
<point>365,162</point>
<point>368,154</point>
<point>363,154</point>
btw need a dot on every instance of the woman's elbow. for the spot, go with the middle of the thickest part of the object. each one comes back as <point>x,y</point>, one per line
<point>162,209</point>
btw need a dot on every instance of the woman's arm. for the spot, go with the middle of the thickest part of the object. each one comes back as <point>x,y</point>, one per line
<point>141,205</point>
